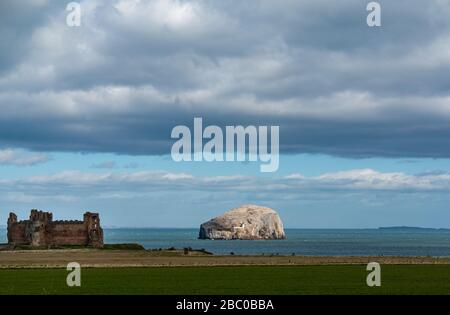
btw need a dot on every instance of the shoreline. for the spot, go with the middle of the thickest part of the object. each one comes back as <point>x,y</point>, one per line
<point>92,258</point>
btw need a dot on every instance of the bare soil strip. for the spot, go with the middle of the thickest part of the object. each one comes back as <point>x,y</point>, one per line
<point>126,258</point>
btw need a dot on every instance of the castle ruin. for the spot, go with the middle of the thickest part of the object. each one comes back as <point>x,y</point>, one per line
<point>41,230</point>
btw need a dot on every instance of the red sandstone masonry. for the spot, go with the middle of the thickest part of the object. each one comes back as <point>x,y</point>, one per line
<point>41,230</point>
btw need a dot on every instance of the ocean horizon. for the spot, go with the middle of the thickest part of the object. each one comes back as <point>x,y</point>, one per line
<point>393,241</point>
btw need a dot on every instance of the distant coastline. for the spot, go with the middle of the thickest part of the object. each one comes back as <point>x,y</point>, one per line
<point>412,228</point>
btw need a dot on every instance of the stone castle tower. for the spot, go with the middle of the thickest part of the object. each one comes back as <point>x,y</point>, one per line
<point>41,230</point>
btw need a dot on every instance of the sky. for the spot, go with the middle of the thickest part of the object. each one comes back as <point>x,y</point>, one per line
<point>86,113</point>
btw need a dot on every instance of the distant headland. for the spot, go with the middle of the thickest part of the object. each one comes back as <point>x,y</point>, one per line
<point>412,228</point>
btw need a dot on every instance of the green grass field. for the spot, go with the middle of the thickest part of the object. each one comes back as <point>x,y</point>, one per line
<point>343,279</point>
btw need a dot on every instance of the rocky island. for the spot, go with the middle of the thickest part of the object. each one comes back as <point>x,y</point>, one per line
<point>248,222</point>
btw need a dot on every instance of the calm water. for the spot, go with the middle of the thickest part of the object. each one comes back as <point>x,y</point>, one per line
<point>347,242</point>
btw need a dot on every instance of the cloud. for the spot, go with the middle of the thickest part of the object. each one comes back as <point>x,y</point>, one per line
<point>115,165</point>
<point>135,69</point>
<point>349,198</point>
<point>105,165</point>
<point>372,180</point>
<point>132,165</point>
<point>77,184</point>
<point>21,158</point>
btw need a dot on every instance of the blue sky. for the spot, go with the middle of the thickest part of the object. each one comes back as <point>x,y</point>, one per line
<point>142,195</point>
<point>86,112</point>
<point>306,164</point>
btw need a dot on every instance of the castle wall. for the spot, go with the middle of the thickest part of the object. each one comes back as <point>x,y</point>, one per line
<point>17,233</point>
<point>41,230</point>
<point>69,233</point>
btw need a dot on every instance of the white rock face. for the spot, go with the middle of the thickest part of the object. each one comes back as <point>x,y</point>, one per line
<point>248,222</point>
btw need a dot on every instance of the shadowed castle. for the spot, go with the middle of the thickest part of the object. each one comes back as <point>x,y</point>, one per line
<point>41,230</point>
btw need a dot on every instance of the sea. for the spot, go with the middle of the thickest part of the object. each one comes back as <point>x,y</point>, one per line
<point>308,242</point>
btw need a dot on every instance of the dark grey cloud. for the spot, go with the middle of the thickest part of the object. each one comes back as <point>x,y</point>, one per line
<point>135,69</point>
